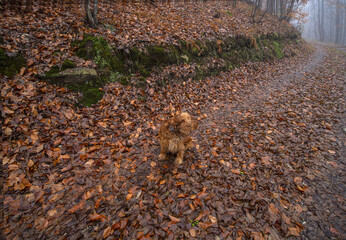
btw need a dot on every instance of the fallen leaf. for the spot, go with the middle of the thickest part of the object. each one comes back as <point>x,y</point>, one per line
<point>212,219</point>
<point>77,207</point>
<point>294,231</point>
<point>8,131</point>
<point>193,232</point>
<point>204,225</point>
<point>107,232</point>
<point>174,219</point>
<point>7,110</point>
<point>236,171</point>
<point>129,196</point>
<point>257,236</point>
<point>265,160</point>
<point>52,213</point>
<point>96,216</point>
<point>39,196</point>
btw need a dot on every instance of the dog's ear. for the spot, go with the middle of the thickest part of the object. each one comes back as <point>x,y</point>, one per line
<point>177,120</point>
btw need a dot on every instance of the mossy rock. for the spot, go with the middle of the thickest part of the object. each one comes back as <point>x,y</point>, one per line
<point>99,50</point>
<point>56,69</point>
<point>278,50</point>
<point>10,66</point>
<point>67,64</point>
<point>84,80</point>
<point>70,75</point>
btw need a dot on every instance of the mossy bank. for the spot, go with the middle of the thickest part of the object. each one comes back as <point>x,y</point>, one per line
<point>138,63</point>
<point>11,65</point>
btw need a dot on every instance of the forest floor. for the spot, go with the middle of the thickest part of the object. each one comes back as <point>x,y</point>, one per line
<point>269,159</point>
<point>269,156</point>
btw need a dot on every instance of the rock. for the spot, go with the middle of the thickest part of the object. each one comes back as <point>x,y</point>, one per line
<point>72,76</point>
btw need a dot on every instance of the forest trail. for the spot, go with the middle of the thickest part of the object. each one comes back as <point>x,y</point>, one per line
<point>268,163</point>
<point>297,91</point>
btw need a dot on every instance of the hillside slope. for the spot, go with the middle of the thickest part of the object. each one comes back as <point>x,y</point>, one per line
<point>44,36</point>
<point>267,150</point>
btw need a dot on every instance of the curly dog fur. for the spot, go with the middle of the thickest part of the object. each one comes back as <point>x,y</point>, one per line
<point>175,137</point>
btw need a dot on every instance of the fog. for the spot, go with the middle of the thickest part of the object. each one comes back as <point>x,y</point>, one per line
<point>326,21</point>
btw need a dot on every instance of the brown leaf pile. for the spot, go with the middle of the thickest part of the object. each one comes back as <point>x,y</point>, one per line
<point>269,136</point>
<point>96,169</point>
<point>45,34</point>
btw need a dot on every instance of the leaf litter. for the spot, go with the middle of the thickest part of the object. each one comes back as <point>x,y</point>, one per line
<point>268,164</point>
<point>254,174</point>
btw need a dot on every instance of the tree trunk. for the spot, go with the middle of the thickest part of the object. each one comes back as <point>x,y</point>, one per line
<point>321,20</point>
<point>338,25</point>
<point>91,17</point>
<point>271,6</point>
<point>94,13</point>
<point>282,9</point>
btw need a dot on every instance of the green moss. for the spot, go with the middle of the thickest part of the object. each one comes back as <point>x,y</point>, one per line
<point>67,64</point>
<point>121,64</point>
<point>10,66</point>
<point>278,50</point>
<point>157,56</point>
<point>124,80</point>
<point>91,93</point>
<point>56,69</point>
<point>53,71</point>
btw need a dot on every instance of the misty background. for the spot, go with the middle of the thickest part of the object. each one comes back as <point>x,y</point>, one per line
<point>326,21</point>
<point>319,20</point>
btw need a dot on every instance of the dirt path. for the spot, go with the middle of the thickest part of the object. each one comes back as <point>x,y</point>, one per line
<point>313,94</point>
<point>268,163</point>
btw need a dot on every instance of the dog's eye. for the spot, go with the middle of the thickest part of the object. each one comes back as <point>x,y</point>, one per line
<point>171,128</point>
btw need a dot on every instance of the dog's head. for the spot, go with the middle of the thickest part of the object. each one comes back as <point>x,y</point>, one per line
<point>184,123</point>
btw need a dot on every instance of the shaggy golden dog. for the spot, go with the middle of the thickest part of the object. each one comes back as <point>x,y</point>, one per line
<point>175,137</point>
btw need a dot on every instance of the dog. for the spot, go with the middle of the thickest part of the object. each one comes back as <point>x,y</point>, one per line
<point>175,137</point>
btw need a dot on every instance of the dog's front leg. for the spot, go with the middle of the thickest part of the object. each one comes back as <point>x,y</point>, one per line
<point>163,152</point>
<point>179,159</point>
<point>162,156</point>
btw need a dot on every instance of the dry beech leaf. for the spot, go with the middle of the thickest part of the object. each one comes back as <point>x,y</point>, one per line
<point>129,196</point>
<point>39,196</point>
<point>96,216</point>
<point>8,131</point>
<point>7,110</point>
<point>204,225</point>
<point>212,219</point>
<point>174,219</point>
<point>266,160</point>
<point>294,231</point>
<point>107,232</point>
<point>193,232</point>
<point>77,207</point>
<point>257,236</point>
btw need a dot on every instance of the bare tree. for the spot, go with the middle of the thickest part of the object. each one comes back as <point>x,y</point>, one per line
<point>321,19</point>
<point>91,13</point>
<point>338,24</point>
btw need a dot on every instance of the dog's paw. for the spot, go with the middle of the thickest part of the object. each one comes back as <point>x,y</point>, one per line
<point>178,161</point>
<point>162,156</point>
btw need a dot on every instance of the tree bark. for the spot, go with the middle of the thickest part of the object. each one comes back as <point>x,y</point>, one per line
<point>338,25</point>
<point>282,9</point>
<point>91,17</point>
<point>321,20</point>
